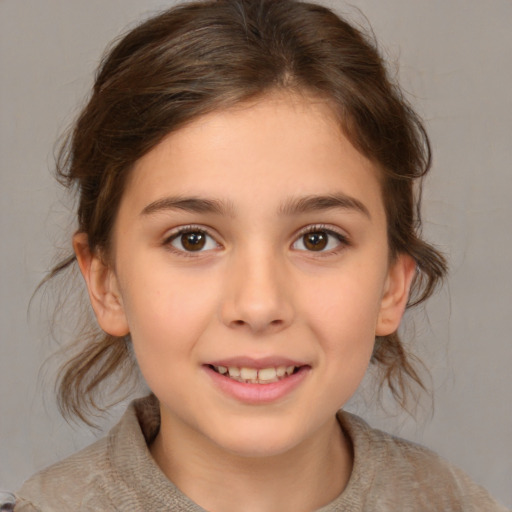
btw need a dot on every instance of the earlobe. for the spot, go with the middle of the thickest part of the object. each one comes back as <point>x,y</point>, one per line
<point>396,295</point>
<point>102,287</point>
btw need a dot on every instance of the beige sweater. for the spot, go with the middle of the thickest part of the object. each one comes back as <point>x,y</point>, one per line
<point>118,473</point>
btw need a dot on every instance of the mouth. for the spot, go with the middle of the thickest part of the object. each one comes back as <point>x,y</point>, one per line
<point>257,381</point>
<point>248,375</point>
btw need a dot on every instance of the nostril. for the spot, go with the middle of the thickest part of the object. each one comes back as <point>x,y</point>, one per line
<point>273,323</point>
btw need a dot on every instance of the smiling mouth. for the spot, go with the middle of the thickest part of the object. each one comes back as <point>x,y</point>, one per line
<point>255,376</point>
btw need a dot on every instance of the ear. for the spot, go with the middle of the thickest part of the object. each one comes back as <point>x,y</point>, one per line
<point>396,294</point>
<point>102,287</point>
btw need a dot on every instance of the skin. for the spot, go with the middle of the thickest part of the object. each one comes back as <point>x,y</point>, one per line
<point>255,290</point>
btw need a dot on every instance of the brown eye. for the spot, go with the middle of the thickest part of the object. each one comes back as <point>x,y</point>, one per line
<point>320,240</point>
<point>193,241</point>
<point>315,241</point>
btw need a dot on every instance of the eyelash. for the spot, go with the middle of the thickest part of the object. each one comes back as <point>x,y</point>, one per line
<point>342,239</point>
<point>175,235</point>
<point>319,228</point>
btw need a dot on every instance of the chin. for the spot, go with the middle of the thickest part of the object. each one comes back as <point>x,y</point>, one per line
<point>259,440</point>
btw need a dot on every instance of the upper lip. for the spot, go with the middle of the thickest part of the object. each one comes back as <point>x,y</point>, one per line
<point>257,363</point>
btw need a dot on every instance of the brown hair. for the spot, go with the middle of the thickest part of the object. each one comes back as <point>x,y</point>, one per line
<point>202,56</point>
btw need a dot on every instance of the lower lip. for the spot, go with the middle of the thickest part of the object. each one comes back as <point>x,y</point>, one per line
<point>258,393</point>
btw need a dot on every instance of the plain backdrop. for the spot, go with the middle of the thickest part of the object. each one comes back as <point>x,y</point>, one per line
<point>454,60</point>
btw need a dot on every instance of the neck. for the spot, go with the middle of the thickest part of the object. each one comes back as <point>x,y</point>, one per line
<point>302,479</point>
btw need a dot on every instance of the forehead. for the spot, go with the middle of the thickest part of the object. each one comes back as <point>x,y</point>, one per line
<point>280,145</point>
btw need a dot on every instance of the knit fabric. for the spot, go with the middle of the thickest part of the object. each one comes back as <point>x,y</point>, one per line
<point>117,473</point>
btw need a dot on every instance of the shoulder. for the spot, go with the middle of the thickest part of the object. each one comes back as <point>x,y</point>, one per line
<point>69,483</point>
<point>90,479</point>
<point>115,473</point>
<point>394,474</point>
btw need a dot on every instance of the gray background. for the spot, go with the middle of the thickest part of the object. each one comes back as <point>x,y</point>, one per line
<point>455,62</point>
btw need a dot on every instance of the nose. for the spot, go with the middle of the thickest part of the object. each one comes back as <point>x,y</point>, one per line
<point>258,293</point>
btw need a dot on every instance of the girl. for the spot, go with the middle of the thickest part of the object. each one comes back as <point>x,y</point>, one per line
<point>248,182</point>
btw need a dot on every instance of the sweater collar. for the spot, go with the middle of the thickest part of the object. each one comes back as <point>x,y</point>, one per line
<point>130,458</point>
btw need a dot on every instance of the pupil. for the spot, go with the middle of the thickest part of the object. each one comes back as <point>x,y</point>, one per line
<point>315,241</point>
<point>193,241</point>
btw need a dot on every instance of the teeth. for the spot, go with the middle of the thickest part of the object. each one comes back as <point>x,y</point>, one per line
<point>267,374</point>
<point>248,373</point>
<point>254,376</point>
<point>234,371</point>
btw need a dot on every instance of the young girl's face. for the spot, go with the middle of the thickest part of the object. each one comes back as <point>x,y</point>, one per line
<point>253,241</point>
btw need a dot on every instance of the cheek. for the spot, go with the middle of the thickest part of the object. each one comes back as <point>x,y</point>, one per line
<point>166,326</point>
<point>346,303</point>
<point>166,315</point>
<point>342,313</point>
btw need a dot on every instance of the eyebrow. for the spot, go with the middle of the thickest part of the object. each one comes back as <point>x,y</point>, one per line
<point>292,206</point>
<point>189,204</point>
<point>320,203</point>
